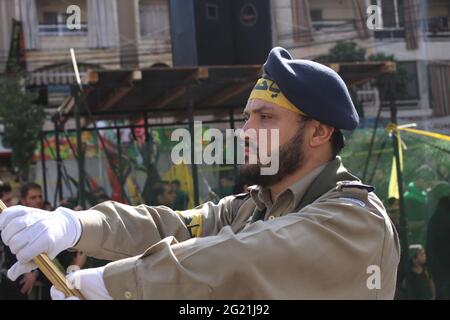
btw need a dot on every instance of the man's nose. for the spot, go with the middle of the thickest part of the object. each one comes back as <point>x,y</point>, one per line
<point>249,124</point>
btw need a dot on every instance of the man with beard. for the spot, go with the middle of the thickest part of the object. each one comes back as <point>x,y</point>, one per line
<point>310,231</point>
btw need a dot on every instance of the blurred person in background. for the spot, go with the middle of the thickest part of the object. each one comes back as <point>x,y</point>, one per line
<point>71,260</point>
<point>181,197</point>
<point>34,283</point>
<point>47,206</point>
<point>164,194</point>
<point>418,283</point>
<point>31,195</point>
<point>438,241</point>
<point>9,290</point>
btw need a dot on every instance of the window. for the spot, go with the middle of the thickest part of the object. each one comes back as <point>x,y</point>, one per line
<point>316,15</point>
<point>212,11</point>
<point>438,26</point>
<point>392,19</point>
<point>389,13</point>
<point>407,84</point>
<point>392,13</point>
<point>154,19</point>
<point>52,18</point>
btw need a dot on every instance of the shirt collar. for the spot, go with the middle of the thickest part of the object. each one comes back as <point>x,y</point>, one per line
<point>299,188</point>
<point>261,195</point>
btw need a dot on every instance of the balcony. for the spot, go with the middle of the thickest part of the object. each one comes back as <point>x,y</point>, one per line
<point>326,26</point>
<point>434,28</point>
<point>438,27</point>
<point>332,30</point>
<point>390,33</point>
<point>49,30</point>
<point>53,16</point>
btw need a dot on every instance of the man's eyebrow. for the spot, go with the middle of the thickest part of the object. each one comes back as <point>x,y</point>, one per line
<point>257,110</point>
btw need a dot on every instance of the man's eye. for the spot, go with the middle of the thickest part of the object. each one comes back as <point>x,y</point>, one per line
<point>265,116</point>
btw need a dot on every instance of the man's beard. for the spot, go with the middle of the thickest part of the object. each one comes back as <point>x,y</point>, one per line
<point>291,157</point>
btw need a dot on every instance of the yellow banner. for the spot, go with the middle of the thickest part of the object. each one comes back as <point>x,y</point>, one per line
<point>193,221</point>
<point>394,129</point>
<point>182,173</point>
<point>427,133</point>
<point>393,182</point>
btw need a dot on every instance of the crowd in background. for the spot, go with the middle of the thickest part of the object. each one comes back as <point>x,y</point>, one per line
<point>34,285</point>
<point>427,212</point>
<point>427,208</point>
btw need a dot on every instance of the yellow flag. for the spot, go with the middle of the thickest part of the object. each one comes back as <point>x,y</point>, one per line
<point>182,173</point>
<point>394,129</point>
<point>393,182</point>
<point>430,134</point>
<point>135,195</point>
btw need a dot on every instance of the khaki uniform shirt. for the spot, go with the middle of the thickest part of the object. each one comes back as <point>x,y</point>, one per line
<point>326,237</point>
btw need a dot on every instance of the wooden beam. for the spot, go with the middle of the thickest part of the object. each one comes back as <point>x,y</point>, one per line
<point>91,77</point>
<point>335,66</point>
<point>176,92</point>
<point>113,98</point>
<point>119,93</point>
<point>68,105</point>
<point>221,97</point>
<point>227,94</point>
<point>169,96</point>
<point>389,67</point>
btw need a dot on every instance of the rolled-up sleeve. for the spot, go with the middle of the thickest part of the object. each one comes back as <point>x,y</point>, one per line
<point>113,231</point>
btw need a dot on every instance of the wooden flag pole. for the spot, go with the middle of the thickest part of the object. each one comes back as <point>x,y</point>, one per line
<point>51,271</point>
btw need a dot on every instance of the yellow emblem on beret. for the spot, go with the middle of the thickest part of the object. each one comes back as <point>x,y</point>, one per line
<point>269,91</point>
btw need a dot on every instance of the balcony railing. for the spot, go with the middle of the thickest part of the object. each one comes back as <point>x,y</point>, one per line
<point>438,27</point>
<point>333,25</point>
<point>390,33</point>
<point>435,27</point>
<point>61,30</point>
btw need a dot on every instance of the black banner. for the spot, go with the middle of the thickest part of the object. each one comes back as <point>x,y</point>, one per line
<point>16,57</point>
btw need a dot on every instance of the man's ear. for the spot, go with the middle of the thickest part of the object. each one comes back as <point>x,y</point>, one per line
<point>321,133</point>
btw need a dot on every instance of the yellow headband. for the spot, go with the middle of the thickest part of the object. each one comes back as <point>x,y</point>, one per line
<point>268,90</point>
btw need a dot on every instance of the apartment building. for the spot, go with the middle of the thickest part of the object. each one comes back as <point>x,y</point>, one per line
<point>417,33</point>
<point>106,25</point>
<point>136,33</point>
<point>112,35</point>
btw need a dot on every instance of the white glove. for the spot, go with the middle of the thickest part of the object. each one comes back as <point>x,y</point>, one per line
<point>88,281</point>
<point>29,232</point>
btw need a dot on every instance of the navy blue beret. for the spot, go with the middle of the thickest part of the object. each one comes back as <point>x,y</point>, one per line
<point>315,89</point>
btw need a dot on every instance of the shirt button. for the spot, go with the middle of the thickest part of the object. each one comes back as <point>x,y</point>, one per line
<point>128,295</point>
<point>271,217</point>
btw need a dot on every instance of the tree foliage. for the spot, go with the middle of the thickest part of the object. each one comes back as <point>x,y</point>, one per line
<point>345,51</point>
<point>22,120</point>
